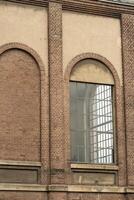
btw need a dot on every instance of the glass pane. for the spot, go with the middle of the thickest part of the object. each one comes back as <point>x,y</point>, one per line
<point>91,123</point>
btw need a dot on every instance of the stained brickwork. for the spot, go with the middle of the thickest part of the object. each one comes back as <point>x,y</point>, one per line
<point>128,68</point>
<point>56,93</point>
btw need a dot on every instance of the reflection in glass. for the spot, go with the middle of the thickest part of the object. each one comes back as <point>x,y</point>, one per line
<point>91,123</point>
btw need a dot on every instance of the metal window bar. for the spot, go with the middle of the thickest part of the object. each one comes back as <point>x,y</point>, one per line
<point>91,123</point>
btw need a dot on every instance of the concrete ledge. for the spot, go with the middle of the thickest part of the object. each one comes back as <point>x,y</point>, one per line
<point>96,189</point>
<point>58,188</point>
<point>94,167</point>
<point>130,190</point>
<point>23,187</point>
<point>19,163</point>
<point>66,188</point>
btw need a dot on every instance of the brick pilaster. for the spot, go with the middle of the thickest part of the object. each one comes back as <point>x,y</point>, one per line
<point>56,93</point>
<point>128,59</point>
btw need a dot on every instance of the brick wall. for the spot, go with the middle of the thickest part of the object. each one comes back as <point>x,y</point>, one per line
<point>24,137</point>
<point>128,69</point>
<point>19,107</point>
<point>23,196</point>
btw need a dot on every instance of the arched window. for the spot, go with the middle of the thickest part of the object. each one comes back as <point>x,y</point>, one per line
<point>92,113</point>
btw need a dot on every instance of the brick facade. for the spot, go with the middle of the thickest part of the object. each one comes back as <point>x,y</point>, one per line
<point>34,107</point>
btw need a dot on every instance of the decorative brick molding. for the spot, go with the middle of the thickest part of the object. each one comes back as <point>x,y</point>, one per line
<point>44,136</point>
<point>26,48</point>
<point>100,58</point>
<point>128,69</point>
<point>119,113</point>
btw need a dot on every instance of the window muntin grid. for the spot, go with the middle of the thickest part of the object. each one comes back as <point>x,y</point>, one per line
<point>91,113</point>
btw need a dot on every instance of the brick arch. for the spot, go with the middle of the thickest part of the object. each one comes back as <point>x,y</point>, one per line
<point>94,56</point>
<point>25,48</point>
<point>119,112</point>
<point>34,58</point>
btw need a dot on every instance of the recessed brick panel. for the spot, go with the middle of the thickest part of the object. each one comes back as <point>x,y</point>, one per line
<point>23,196</point>
<point>10,175</point>
<point>95,196</point>
<point>94,178</point>
<point>19,106</point>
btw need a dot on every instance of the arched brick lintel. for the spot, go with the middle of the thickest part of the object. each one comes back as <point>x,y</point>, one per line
<point>94,56</point>
<point>120,154</point>
<point>24,47</point>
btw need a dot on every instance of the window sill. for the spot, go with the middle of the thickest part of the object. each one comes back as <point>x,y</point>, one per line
<point>20,163</point>
<point>83,166</point>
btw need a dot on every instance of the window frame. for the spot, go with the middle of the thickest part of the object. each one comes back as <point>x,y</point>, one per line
<point>120,151</point>
<point>73,163</point>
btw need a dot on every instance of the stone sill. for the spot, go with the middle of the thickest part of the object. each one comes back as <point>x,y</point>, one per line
<point>83,166</point>
<point>66,188</point>
<point>19,163</point>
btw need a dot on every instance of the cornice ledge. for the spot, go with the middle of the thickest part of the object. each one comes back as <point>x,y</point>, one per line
<point>98,7</point>
<point>103,8</point>
<point>19,163</point>
<point>23,187</point>
<point>42,3</point>
<point>66,188</point>
<point>130,190</point>
<point>96,189</point>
